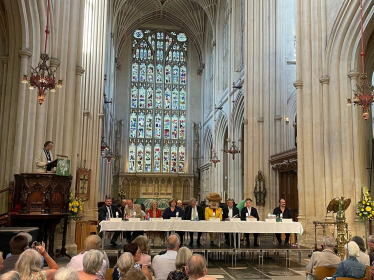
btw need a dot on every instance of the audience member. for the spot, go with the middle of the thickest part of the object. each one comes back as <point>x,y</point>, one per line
<point>363,257</point>
<point>109,210</point>
<point>181,261</point>
<point>286,214</point>
<point>371,248</point>
<point>325,258</point>
<point>10,275</point>
<point>136,253</point>
<point>350,267</point>
<point>92,262</point>
<point>143,244</point>
<point>30,261</point>
<point>196,267</point>
<point>92,242</point>
<point>163,264</point>
<point>17,246</point>
<point>193,212</point>
<point>124,264</point>
<point>134,274</point>
<point>65,273</point>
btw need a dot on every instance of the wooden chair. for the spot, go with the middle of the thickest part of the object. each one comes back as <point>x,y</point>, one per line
<point>108,274</point>
<point>367,274</point>
<point>322,271</point>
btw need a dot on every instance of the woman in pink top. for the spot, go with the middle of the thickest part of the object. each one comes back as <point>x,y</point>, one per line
<point>143,244</point>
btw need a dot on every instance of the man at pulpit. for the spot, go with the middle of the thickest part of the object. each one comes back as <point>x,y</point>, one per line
<point>44,157</point>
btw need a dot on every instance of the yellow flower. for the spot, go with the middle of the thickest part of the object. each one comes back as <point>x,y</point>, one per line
<point>75,210</point>
<point>368,208</point>
<point>362,209</point>
<point>360,214</point>
<point>80,208</point>
<point>363,202</point>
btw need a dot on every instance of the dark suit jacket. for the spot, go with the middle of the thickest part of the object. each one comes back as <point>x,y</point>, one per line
<point>225,212</point>
<point>254,213</point>
<point>200,213</point>
<point>103,210</point>
<point>286,213</point>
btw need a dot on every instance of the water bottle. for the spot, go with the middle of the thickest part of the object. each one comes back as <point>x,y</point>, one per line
<point>117,214</point>
<point>214,214</point>
<point>277,219</point>
<point>177,214</point>
<point>134,214</point>
<point>149,218</point>
<point>281,217</point>
<point>268,215</point>
<point>107,216</point>
<point>197,218</point>
<point>246,215</point>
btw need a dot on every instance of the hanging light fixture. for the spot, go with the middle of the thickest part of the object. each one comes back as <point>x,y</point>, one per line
<point>42,77</point>
<point>233,149</point>
<point>364,94</point>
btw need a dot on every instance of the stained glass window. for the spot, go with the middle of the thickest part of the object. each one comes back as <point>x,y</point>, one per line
<point>158,102</point>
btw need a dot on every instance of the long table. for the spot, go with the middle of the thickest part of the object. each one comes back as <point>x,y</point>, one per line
<point>203,226</point>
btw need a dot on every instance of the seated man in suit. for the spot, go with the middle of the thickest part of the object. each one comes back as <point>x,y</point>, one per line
<point>194,212</point>
<point>109,210</point>
<point>229,211</point>
<point>249,212</point>
<point>130,209</point>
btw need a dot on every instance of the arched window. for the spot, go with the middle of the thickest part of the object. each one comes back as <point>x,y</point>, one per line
<point>158,102</point>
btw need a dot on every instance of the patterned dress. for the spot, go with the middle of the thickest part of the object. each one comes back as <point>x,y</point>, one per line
<point>179,274</point>
<point>40,275</point>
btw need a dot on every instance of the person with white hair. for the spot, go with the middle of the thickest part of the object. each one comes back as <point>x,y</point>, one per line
<point>350,267</point>
<point>125,263</point>
<point>325,258</point>
<point>10,275</point>
<point>180,263</point>
<point>66,273</point>
<point>196,268</point>
<point>92,262</point>
<point>163,264</point>
<point>92,242</point>
<point>30,261</point>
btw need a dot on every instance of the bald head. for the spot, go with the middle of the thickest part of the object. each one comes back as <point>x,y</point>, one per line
<point>196,266</point>
<point>173,242</point>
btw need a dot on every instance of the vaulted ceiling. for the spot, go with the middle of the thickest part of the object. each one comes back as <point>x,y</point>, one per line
<point>188,15</point>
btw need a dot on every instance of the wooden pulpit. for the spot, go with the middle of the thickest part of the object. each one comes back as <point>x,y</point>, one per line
<point>44,201</point>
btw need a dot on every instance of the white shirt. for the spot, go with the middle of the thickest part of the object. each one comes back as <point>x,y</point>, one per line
<point>162,265</point>
<point>196,213</point>
<point>230,212</point>
<point>249,211</point>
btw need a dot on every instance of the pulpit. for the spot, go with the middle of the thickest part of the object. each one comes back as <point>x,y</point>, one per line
<point>44,201</point>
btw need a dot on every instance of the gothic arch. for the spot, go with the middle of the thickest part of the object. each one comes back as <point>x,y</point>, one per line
<point>207,145</point>
<point>239,114</point>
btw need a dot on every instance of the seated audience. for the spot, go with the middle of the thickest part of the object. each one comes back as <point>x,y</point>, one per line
<point>181,261</point>
<point>136,253</point>
<point>371,248</point>
<point>325,258</point>
<point>163,264</point>
<point>29,241</point>
<point>143,243</point>
<point>65,273</point>
<point>10,275</point>
<point>363,257</point>
<point>124,264</point>
<point>196,267</point>
<point>92,262</point>
<point>134,274</point>
<point>30,261</point>
<point>350,267</point>
<point>17,246</point>
<point>91,242</point>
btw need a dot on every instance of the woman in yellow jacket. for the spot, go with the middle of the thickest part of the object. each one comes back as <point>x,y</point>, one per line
<point>213,210</point>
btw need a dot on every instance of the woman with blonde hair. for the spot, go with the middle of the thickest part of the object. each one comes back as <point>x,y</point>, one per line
<point>180,263</point>
<point>10,275</point>
<point>30,261</point>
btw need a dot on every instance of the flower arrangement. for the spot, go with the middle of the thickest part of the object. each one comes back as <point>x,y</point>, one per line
<point>365,206</point>
<point>75,208</point>
<point>121,194</point>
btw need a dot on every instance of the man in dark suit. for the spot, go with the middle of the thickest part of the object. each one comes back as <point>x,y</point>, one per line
<point>192,212</point>
<point>250,212</point>
<point>229,212</point>
<point>109,210</point>
<point>286,214</point>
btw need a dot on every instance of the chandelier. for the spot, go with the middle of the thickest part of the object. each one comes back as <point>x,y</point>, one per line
<point>364,94</point>
<point>42,77</point>
<point>233,149</point>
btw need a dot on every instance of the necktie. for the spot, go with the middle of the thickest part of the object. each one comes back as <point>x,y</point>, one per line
<point>194,214</point>
<point>110,212</point>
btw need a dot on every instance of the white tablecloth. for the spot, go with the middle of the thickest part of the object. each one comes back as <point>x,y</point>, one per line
<point>203,226</point>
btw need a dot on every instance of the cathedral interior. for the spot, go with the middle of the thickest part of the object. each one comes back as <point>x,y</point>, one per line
<point>269,79</point>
